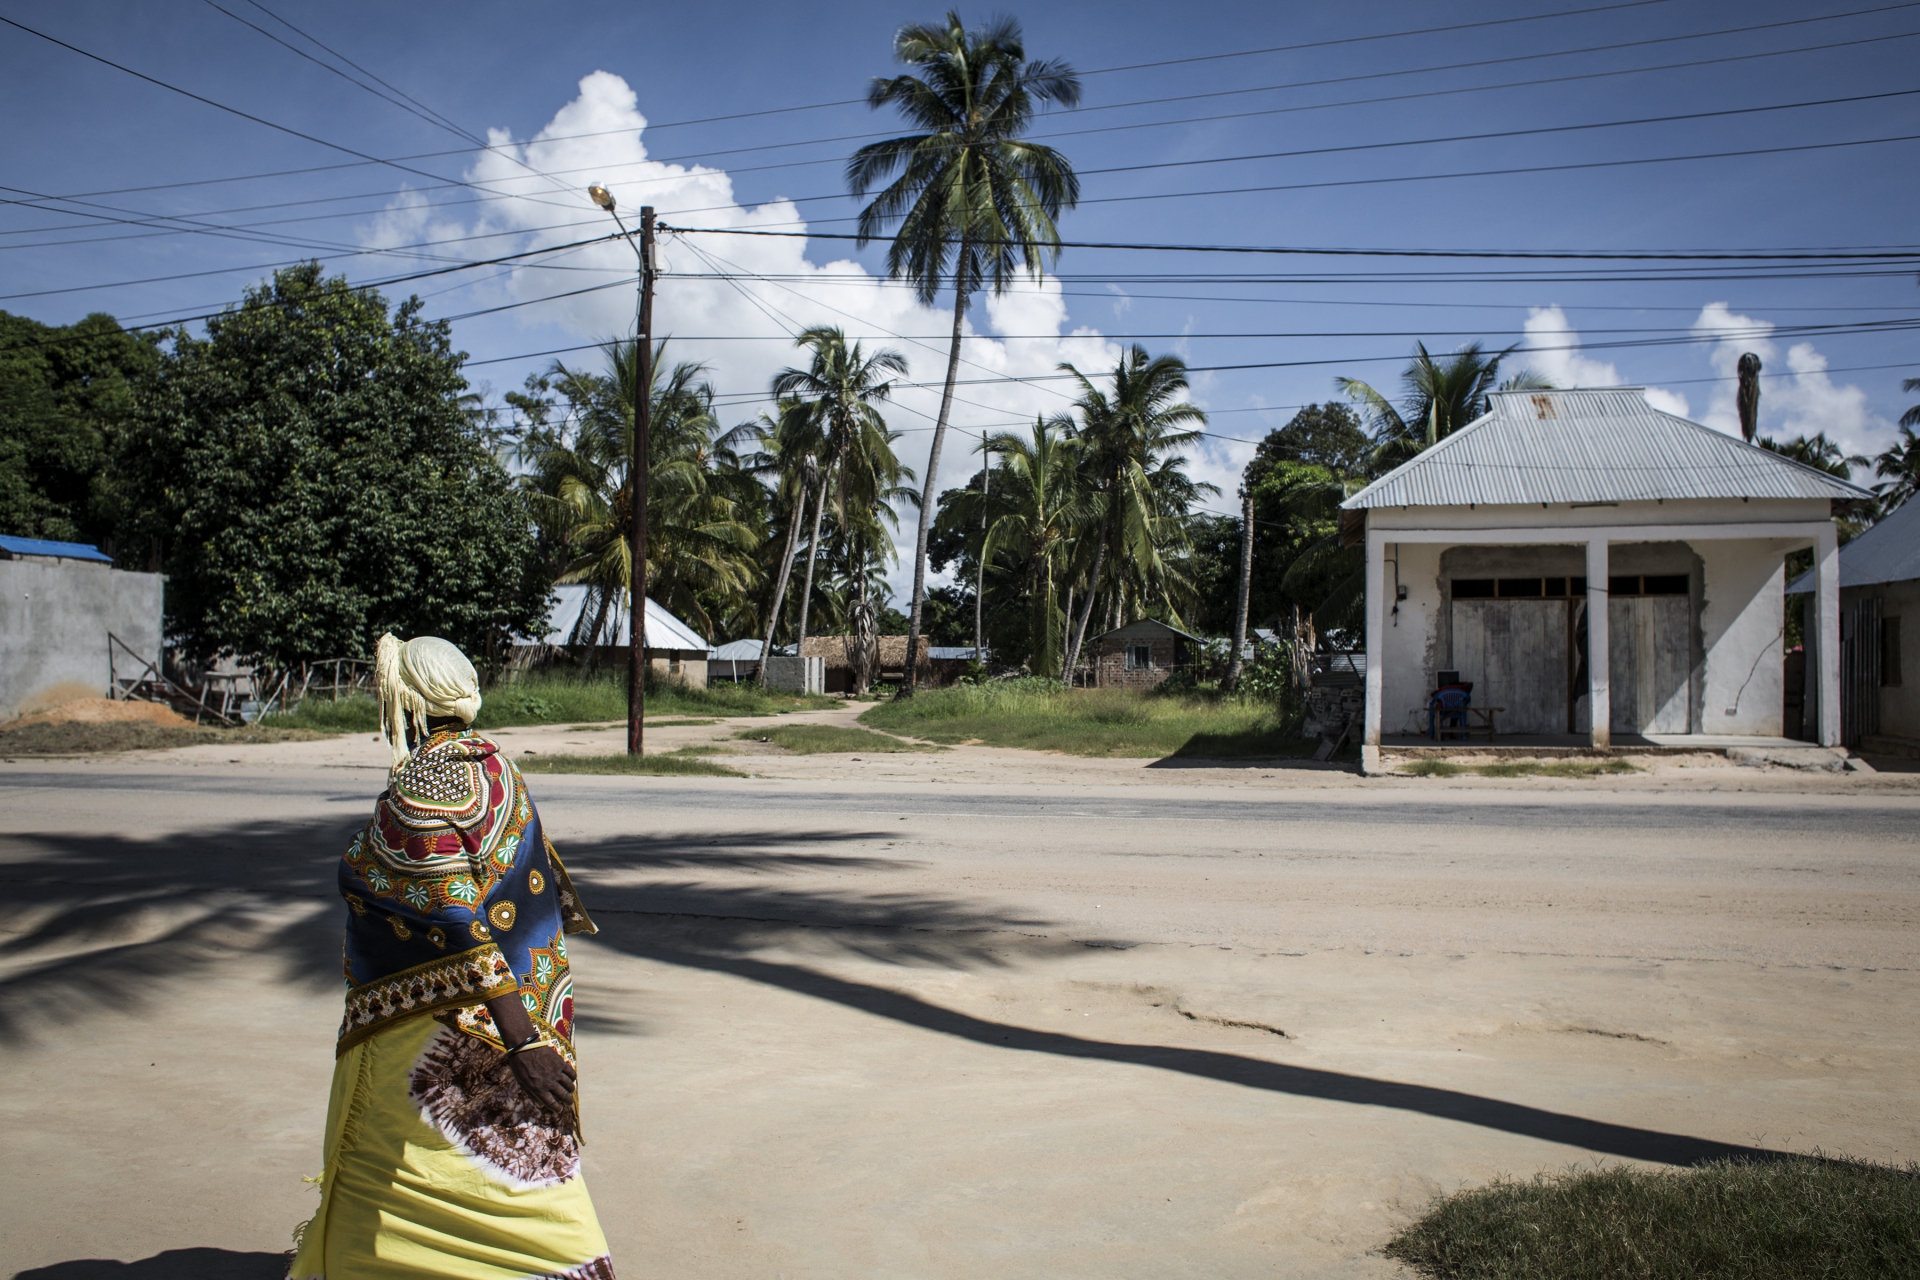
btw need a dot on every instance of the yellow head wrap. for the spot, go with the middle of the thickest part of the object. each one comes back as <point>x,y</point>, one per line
<point>422,677</point>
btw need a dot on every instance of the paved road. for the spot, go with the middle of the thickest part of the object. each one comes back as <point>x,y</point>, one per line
<point>860,1028</point>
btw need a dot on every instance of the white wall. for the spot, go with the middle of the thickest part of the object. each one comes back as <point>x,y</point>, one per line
<point>1414,643</point>
<point>54,620</point>
<point>1742,617</point>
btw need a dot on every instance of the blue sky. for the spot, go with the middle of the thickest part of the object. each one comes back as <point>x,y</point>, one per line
<point>587,76</point>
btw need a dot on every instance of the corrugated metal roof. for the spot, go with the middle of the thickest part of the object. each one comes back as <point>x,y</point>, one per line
<point>1605,445</point>
<point>1888,552</point>
<point>737,651</point>
<point>41,547</point>
<point>664,631</point>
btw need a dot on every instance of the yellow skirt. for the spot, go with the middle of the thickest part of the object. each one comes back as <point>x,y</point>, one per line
<point>437,1165</point>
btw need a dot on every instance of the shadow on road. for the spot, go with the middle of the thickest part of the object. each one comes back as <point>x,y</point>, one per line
<point>120,919</point>
<point>174,1264</point>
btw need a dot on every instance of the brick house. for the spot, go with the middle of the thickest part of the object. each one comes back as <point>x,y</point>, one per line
<point>1141,654</point>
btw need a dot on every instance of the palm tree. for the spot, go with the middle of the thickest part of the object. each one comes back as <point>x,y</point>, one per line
<point>1818,452</point>
<point>836,412</point>
<point>974,204</point>
<point>700,541</point>
<point>1132,436</point>
<point>1037,511</point>
<point>796,473</point>
<point>1439,399</point>
<point>1900,464</point>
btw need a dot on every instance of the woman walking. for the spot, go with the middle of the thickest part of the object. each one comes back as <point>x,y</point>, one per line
<point>453,1134</point>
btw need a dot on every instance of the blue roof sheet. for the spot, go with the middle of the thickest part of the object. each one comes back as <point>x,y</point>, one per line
<point>41,547</point>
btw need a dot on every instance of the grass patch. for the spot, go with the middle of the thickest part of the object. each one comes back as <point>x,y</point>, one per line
<point>1556,769</point>
<point>1044,716</point>
<point>548,699</point>
<point>92,737</point>
<point>1520,769</point>
<point>1433,769</point>
<point>709,750</point>
<point>829,739</point>
<point>677,724</point>
<point>1755,1220</point>
<point>676,766</point>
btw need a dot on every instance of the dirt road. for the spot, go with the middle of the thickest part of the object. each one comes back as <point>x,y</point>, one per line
<point>845,1027</point>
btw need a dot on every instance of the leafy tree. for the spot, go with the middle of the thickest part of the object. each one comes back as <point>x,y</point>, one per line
<point>1329,435</point>
<point>1438,398</point>
<point>974,202</point>
<point>1817,452</point>
<point>64,393</point>
<point>310,479</point>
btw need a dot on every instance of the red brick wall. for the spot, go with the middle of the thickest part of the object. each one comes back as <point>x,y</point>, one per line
<point>1110,664</point>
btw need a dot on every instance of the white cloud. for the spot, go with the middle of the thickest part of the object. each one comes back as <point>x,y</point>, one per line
<point>1797,397</point>
<point>740,329</point>
<point>1553,351</point>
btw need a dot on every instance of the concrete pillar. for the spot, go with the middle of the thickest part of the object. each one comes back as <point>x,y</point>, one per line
<point>1826,565</point>
<point>1376,638</point>
<point>1600,701</point>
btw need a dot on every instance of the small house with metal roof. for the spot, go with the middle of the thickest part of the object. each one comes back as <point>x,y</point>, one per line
<point>1598,571</point>
<point>577,622</point>
<point>1141,654</point>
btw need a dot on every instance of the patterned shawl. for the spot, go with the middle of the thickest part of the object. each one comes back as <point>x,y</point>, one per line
<point>455,896</point>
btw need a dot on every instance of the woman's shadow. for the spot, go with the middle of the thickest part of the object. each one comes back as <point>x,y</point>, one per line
<point>174,1264</point>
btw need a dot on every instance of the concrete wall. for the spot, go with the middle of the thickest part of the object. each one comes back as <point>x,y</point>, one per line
<point>1742,627</point>
<point>54,620</point>
<point>1899,704</point>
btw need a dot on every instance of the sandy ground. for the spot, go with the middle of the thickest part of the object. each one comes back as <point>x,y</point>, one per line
<point>1083,1019</point>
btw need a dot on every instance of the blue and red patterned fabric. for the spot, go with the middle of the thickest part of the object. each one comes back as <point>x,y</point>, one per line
<point>455,896</point>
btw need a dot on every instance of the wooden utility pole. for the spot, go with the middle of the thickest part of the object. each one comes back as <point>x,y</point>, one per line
<point>1246,588</point>
<point>642,414</point>
<point>980,586</point>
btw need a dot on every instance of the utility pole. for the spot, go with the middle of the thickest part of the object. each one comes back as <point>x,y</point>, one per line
<point>1246,586</point>
<point>637,472</point>
<point>980,587</point>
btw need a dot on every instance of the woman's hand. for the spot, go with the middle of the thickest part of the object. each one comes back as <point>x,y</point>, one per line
<point>548,1079</point>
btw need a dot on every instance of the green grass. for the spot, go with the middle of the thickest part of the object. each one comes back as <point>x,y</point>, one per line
<point>707,750</point>
<point>1521,769</point>
<point>651,766</point>
<point>828,739</point>
<point>1043,716</point>
<point>1754,1220</point>
<point>548,699</point>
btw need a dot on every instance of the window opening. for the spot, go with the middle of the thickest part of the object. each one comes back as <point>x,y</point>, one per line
<point>1139,657</point>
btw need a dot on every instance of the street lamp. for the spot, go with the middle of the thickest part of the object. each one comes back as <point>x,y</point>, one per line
<point>642,412</point>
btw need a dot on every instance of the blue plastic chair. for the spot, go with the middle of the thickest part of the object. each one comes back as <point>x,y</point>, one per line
<point>1447,709</point>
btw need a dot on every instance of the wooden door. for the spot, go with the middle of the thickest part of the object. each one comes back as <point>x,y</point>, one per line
<point>1649,661</point>
<point>1515,653</point>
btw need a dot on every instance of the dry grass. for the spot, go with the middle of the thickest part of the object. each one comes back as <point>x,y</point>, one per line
<point>94,737</point>
<point>828,739</point>
<point>1520,769</point>
<point>676,766</point>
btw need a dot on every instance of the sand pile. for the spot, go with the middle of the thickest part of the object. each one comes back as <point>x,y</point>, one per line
<point>92,710</point>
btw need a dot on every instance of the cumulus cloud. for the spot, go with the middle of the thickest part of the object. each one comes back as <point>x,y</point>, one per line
<point>740,328</point>
<point>1553,351</point>
<point>1797,397</point>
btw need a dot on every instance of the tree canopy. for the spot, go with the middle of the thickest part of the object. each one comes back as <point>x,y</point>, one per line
<point>65,393</point>
<point>311,478</point>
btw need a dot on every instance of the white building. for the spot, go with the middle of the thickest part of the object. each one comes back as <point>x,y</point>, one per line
<point>1599,571</point>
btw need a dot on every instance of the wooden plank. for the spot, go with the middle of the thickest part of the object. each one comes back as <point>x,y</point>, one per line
<point>1515,652</point>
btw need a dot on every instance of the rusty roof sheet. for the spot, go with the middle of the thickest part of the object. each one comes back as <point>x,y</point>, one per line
<point>1606,445</point>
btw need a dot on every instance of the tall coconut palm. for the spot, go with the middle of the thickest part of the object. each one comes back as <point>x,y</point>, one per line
<point>1438,398</point>
<point>1133,435</point>
<point>795,470</point>
<point>1037,510</point>
<point>837,409</point>
<point>973,202</point>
